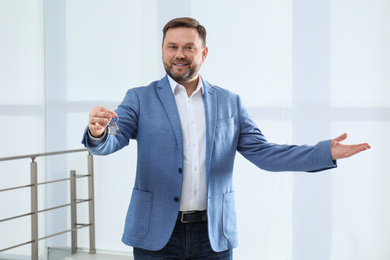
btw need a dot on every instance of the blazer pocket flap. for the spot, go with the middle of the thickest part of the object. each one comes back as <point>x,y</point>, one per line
<point>225,122</point>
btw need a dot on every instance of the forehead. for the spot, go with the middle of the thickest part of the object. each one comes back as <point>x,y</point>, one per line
<point>182,35</point>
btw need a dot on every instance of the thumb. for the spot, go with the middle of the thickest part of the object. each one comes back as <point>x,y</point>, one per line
<point>341,138</point>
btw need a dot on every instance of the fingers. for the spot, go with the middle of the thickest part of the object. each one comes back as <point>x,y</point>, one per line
<point>355,149</point>
<point>362,147</point>
<point>102,112</point>
<point>99,118</point>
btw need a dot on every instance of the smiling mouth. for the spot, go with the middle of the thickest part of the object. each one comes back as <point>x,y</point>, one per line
<point>180,64</point>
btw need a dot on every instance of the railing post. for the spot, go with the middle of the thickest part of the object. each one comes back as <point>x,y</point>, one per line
<point>73,210</point>
<point>34,209</point>
<point>92,248</point>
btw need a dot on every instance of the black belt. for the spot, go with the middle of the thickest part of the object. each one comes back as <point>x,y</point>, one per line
<point>192,216</point>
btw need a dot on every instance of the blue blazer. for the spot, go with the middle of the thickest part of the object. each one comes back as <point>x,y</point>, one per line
<point>149,115</point>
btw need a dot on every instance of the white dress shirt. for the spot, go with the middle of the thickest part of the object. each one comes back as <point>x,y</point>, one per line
<point>193,125</point>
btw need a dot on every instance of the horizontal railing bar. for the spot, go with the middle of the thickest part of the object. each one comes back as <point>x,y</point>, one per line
<point>57,207</point>
<point>82,176</point>
<point>42,183</point>
<point>16,187</point>
<point>44,210</point>
<point>82,200</point>
<point>19,216</point>
<point>66,179</point>
<point>56,234</point>
<point>63,232</point>
<point>8,248</point>
<point>47,182</point>
<point>61,206</point>
<point>41,154</point>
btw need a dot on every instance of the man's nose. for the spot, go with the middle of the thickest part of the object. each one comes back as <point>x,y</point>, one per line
<point>180,53</point>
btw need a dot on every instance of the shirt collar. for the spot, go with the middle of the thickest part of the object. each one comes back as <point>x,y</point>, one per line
<point>174,85</point>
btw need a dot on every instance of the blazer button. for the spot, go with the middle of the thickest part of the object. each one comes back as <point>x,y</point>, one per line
<point>176,199</point>
<point>180,170</point>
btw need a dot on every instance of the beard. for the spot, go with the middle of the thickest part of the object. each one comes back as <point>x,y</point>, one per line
<point>182,76</point>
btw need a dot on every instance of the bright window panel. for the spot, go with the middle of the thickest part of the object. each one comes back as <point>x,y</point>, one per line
<point>250,49</point>
<point>110,52</point>
<point>360,59</point>
<point>21,52</point>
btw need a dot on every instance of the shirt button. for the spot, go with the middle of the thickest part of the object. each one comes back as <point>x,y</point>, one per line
<point>195,168</point>
<point>180,170</point>
<point>176,199</point>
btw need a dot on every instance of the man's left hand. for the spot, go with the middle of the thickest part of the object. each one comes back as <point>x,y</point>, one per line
<point>340,151</point>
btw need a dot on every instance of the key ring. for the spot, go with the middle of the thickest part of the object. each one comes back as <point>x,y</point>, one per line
<point>113,128</point>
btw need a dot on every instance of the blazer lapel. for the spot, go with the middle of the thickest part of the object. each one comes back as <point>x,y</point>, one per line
<point>210,103</point>
<point>164,91</point>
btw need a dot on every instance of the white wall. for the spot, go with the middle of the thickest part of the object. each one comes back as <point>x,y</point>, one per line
<point>306,70</point>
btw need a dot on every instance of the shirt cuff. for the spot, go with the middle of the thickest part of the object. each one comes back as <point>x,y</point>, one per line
<point>96,141</point>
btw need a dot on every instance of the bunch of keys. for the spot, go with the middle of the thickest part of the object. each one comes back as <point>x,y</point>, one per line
<point>113,128</point>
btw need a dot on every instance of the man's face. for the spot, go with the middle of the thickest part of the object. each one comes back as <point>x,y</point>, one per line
<point>183,54</point>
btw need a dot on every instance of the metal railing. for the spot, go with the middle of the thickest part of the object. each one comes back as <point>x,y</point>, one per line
<point>73,203</point>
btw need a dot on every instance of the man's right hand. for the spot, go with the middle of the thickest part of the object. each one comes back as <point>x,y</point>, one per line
<point>99,118</point>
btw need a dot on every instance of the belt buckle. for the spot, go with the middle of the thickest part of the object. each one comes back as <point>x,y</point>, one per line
<point>185,213</point>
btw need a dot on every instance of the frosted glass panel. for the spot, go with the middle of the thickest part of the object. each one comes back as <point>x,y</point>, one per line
<point>361,211</point>
<point>21,52</point>
<point>109,52</point>
<point>250,49</point>
<point>360,60</point>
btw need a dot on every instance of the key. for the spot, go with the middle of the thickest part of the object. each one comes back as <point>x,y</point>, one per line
<point>113,128</point>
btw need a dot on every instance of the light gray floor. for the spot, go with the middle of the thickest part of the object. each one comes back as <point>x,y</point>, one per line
<point>62,254</point>
<point>98,256</point>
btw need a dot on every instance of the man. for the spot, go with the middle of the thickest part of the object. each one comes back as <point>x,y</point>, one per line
<point>187,132</point>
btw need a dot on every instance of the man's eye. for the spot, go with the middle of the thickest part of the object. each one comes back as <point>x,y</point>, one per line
<point>172,47</point>
<point>190,48</point>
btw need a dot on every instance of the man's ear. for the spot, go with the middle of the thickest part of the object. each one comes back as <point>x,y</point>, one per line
<point>204,53</point>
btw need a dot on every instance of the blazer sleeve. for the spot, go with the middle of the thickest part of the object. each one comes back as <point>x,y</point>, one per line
<point>253,145</point>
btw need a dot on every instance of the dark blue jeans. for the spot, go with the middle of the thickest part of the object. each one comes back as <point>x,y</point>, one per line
<point>188,241</point>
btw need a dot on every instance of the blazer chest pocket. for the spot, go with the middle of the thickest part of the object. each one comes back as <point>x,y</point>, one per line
<point>225,122</point>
